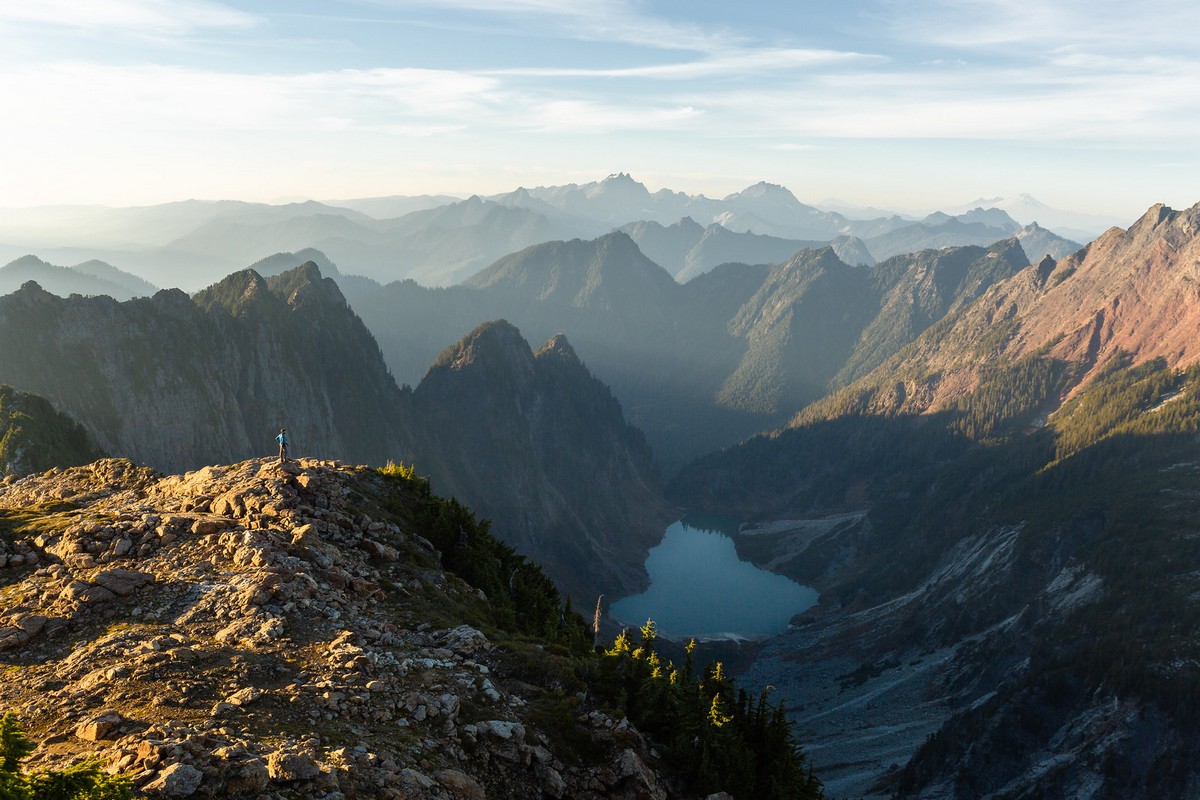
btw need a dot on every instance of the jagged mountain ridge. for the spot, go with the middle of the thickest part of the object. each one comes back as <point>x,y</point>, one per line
<point>175,382</point>
<point>1127,292</point>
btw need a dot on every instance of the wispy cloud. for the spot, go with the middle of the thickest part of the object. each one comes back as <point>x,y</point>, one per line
<point>129,16</point>
<point>455,84</point>
<point>737,63</point>
<point>582,116</point>
<point>1114,25</point>
<point>591,20</point>
<point>80,99</point>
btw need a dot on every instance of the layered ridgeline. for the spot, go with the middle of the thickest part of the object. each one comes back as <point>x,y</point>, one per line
<point>1002,518</point>
<point>687,249</point>
<point>704,364</point>
<point>91,278</point>
<point>309,629</point>
<point>533,441</point>
<point>442,240</point>
<point>176,382</point>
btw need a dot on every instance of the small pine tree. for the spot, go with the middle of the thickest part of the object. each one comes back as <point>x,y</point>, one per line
<point>14,746</point>
<point>79,782</point>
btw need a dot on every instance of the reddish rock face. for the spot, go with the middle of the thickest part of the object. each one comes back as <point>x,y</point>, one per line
<point>1134,291</point>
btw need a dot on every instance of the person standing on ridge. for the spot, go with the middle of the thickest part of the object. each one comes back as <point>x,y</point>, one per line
<point>282,439</point>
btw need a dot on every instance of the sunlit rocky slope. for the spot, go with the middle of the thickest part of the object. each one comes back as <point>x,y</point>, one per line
<point>286,630</point>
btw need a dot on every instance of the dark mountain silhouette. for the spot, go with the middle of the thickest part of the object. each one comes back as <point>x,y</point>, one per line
<point>175,382</point>
<point>534,442</point>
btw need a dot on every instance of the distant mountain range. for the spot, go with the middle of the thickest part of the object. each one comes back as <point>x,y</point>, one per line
<point>440,240</point>
<point>88,278</point>
<point>696,366</point>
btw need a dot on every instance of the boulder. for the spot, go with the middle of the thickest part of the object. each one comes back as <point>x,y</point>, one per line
<point>122,582</point>
<point>177,780</point>
<point>100,727</point>
<point>284,767</point>
<point>460,784</point>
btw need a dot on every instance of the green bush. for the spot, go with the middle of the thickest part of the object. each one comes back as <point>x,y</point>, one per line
<point>83,781</point>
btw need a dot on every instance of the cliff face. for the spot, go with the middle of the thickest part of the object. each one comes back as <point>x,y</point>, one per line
<point>279,630</point>
<point>534,442</point>
<point>175,383</point>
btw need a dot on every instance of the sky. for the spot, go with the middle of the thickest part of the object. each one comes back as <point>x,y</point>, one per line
<point>913,104</point>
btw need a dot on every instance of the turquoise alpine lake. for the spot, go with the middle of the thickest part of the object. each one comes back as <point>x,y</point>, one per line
<point>699,587</point>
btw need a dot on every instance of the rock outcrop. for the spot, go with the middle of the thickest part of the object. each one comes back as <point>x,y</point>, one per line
<point>278,630</point>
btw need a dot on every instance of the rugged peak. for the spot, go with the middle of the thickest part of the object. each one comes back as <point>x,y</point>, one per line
<point>1158,214</point>
<point>304,285</point>
<point>766,191</point>
<point>238,293</point>
<point>32,292</point>
<point>1044,269</point>
<point>812,258</point>
<point>1161,222</point>
<point>1010,250</point>
<point>495,344</point>
<point>558,348</point>
<point>617,243</point>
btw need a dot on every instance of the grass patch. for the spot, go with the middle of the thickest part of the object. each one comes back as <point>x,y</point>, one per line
<point>556,714</point>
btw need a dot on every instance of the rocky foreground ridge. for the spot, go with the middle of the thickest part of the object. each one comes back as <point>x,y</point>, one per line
<point>279,630</point>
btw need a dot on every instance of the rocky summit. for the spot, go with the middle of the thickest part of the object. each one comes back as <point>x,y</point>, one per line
<point>280,630</point>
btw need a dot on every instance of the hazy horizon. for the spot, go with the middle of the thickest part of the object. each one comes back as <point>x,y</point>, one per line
<point>1088,107</point>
